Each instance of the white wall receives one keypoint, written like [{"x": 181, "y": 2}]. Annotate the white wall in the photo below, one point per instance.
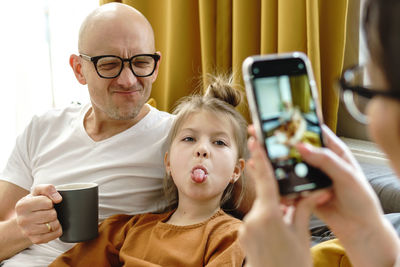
[{"x": 37, "y": 38}]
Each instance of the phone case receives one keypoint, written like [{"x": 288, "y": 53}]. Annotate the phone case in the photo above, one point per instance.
[{"x": 291, "y": 169}]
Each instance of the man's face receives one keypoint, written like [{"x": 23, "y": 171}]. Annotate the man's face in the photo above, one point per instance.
[{"x": 123, "y": 97}]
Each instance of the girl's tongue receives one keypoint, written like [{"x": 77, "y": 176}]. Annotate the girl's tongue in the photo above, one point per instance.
[{"x": 198, "y": 176}]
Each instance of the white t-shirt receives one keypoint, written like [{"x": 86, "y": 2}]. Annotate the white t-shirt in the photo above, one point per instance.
[{"x": 55, "y": 149}]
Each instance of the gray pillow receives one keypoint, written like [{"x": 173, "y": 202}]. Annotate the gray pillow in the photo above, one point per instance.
[{"x": 386, "y": 185}]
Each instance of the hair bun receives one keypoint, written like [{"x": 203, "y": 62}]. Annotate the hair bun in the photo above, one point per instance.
[{"x": 221, "y": 87}]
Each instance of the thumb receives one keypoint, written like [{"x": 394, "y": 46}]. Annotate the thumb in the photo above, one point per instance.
[
  {"x": 260, "y": 170},
  {"x": 329, "y": 162},
  {"x": 304, "y": 209},
  {"x": 47, "y": 190}
]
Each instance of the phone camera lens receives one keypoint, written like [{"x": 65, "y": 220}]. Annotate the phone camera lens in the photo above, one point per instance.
[
  {"x": 300, "y": 66},
  {"x": 256, "y": 71}
]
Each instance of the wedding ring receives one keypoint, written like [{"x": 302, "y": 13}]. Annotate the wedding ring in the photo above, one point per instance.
[{"x": 49, "y": 227}]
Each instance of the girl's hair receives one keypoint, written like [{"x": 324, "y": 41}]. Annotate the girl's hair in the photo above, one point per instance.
[
  {"x": 220, "y": 98},
  {"x": 382, "y": 30}
]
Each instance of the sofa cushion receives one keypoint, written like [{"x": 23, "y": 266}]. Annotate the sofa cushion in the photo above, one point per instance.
[{"x": 386, "y": 185}]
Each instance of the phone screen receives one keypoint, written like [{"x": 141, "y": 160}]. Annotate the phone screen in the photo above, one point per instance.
[{"x": 288, "y": 115}]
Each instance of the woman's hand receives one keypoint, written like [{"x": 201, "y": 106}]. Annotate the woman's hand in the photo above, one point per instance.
[
  {"x": 354, "y": 200},
  {"x": 272, "y": 236},
  {"x": 353, "y": 213}
]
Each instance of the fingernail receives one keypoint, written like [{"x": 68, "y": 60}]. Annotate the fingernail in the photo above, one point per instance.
[{"x": 55, "y": 196}]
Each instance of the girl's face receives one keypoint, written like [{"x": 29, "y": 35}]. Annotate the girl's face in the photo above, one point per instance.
[
  {"x": 384, "y": 114},
  {"x": 203, "y": 157}
]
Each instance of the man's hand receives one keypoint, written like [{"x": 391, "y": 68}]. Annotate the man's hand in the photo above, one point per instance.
[{"x": 36, "y": 215}]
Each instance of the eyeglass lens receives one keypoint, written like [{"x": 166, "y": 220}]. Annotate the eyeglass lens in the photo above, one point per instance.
[
  {"x": 111, "y": 66},
  {"x": 356, "y": 104}
]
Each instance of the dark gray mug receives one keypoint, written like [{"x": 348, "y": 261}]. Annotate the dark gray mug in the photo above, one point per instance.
[{"x": 78, "y": 212}]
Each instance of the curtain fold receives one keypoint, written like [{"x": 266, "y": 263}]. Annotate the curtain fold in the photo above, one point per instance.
[
  {"x": 332, "y": 21},
  {"x": 196, "y": 37}
]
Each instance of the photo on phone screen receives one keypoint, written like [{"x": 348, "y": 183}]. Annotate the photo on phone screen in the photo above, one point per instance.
[{"x": 287, "y": 115}]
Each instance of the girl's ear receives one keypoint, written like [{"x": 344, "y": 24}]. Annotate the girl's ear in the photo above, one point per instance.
[
  {"x": 76, "y": 65},
  {"x": 167, "y": 163},
  {"x": 238, "y": 170}
]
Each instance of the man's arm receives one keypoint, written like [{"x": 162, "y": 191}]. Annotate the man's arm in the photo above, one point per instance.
[{"x": 12, "y": 240}]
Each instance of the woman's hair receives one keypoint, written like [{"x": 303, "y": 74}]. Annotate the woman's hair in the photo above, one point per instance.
[
  {"x": 382, "y": 30},
  {"x": 220, "y": 98}
]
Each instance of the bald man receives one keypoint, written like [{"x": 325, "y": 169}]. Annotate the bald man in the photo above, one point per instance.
[{"x": 116, "y": 140}]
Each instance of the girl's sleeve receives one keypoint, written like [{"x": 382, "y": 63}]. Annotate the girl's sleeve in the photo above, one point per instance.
[{"x": 101, "y": 251}]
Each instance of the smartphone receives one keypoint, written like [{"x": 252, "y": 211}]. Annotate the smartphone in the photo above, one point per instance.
[{"x": 282, "y": 96}]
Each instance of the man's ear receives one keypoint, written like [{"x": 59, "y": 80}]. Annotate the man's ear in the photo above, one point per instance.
[
  {"x": 76, "y": 65},
  {"x": 155, "y": 74}
]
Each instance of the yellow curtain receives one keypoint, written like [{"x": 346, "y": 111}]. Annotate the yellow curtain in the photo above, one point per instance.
[{"x": 213, "y": 36}]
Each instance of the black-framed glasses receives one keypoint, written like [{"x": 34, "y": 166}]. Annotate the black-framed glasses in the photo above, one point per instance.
[
  {"x": 110, "y": 66},
  {"x": 357, "y": 90}
]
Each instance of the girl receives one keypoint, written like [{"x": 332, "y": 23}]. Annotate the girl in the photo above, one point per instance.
[
  {"x": 207, "y": 148},
  {"x": 351, "y": 209}
]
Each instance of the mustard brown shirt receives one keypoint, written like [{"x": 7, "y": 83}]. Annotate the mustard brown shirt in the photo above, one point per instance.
[{"x": 146, "y": 240}]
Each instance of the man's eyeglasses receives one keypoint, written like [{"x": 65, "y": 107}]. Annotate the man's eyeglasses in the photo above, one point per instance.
[
  {"x": 356, "y": 91},
  {"x": 109, "y": 66}
]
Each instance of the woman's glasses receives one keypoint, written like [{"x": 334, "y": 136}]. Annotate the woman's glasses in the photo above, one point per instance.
[{"x": 357, "y": 91}]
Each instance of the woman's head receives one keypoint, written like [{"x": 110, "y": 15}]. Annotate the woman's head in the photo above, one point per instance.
[
  {"x": 382, "y": 30},
  {"x": 207, "y": 141}
]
